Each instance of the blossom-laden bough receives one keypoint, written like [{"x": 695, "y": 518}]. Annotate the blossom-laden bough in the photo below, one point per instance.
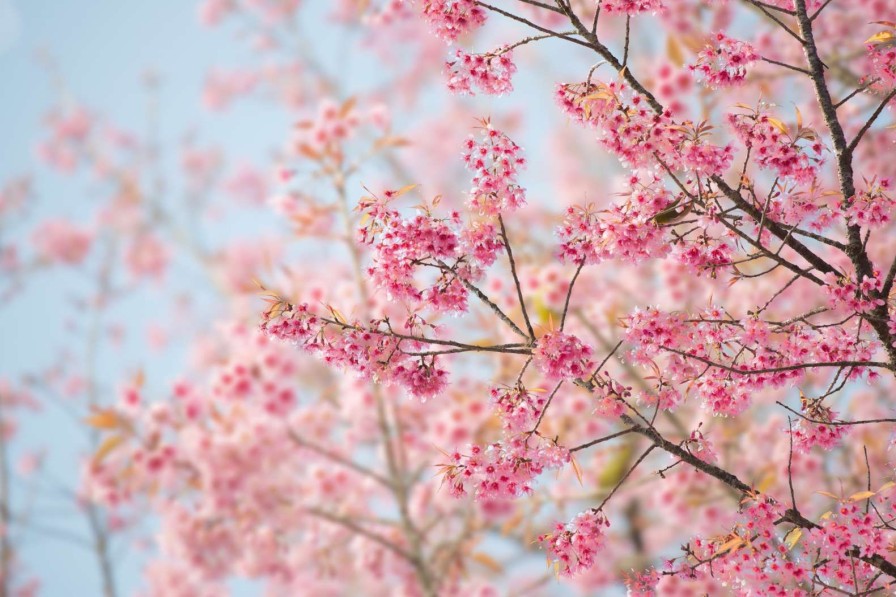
[
  {"x": 701, "y": 358},
  {"x": 775, "y": 198}
]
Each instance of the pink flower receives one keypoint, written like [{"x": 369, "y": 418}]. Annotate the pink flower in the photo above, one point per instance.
[
  {"x": 482, "y": 241},
  {"x": 423, "y": 380},
  {"x": 488, "y": 73},
  {"x": 495, "y": 161},
  {"x": 562, "y": 356},
  {"x": 147, "y": 257},
  {"x": 723, "y": 61},
  {"x": 450, "y": 19},
  {"x": 773, "y": 147},
  {"x": 871, "y": 208},
  {"x": 503, "y": 470},
  {"x": 809, "y": 434},
  {"x": 518, "y": 407},
  {"x": 573, "y": 546},
  {"x": 60, "y": 241},
  {"x": 701, "y": 447},
  {"x": 845, "y": 294},
  {"x": 632, "y": 7},
  {"x": 625, "y": 231}
]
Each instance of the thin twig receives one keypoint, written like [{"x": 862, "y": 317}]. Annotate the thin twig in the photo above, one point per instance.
[{"x": 516, "y": 279}]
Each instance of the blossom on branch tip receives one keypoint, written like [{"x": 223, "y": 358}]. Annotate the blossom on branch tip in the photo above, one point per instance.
[
  {"x": 724, "y": 61},
  {"x": 495, "y": 161},
  {"x": 450, "y": 19},
  {"x": 489, "y": 73},
  {"x": 562, "y": 356},
  {"x": 573, "y": 546}
]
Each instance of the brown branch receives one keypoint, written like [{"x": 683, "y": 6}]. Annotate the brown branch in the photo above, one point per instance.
[
  {"x": 855, "y": 246},
  {"x": 835, "y": 423},
  {"x": 880, "y": 108},
  {"x": 569, "y": 294},
  {"x": 876, "y": 364},
  {"x": 516, "y": 279},
  {"x": 484, "y": 298},
  {"x": 601, "y": 440}
]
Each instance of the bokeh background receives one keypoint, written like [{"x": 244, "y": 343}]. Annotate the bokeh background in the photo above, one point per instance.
[{"x": 145, "y": 66}]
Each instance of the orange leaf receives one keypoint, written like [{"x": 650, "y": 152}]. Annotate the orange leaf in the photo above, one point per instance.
[
  {"x": 576, "y": 469},
  {"x": 307, "y": 151},
  {"x": 487, "y": 561},
  {"x": 793, "y": 537},
  {"x": 106, "y": 448},
  {"x": 104, "y": 419},
  {"x": 778, "y": 124},
  {"x": 347, "y": 106},
  {"x": 673, "y": 50},
  {"x": 881, "y": 37},
  {"x": 405, "y": 189},
  {"x": 730, "y": 545}
]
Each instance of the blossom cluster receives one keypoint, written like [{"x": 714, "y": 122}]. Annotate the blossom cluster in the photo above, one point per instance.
[
  {"x": 406, "y": 250},
  {"x": 630, "y": 128},
  {"x": 845, "y": 293},
  {"x": 450, "y": 19},
  {"x": 562, "y": 356},
  {"x": 400, "y": 245},
  {"x": 518, "y": 407},
  {"x": 60, "y": 241},
  {"x": 757, "y": 556},
  {"x": 495, "y": 161},
  {"x": 773, "y": 147},
  {"x": 818, "y": 431},
  {"x": 871, "y": 208},
  {"x": 850, "y": 528},
  {"x": 632, "y": 7},
  {"x": 331, "y": 126},
  {"x": 724, "y": 61},
  {"x": 373, "y": 352},
  {"x": 882, "y": 59},
  {"x": 502, "y": 470},
  {"x": 704, "y": 254},
  {"x": 488, "y": 73},
  {"x": 707, "y": 351},
  {"x": 573, "y": 546},
  {"x": 627, "y": 231}
]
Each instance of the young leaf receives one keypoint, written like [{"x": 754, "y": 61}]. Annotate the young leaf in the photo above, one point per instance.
[
  {"x": 883, "y": 36},
  {"x": 106, "y": 448},
  {"x": 673, "y": 50},
  {"x": 103, "y": 419},
  {"x": 793, "y": 537},
  {"x": 489, "y": 562}
]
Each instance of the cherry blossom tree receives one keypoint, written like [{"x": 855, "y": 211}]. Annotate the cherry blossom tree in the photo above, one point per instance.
[
  {"x": 791, "y": 217},
  {"x": 651, "y": 341}
]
